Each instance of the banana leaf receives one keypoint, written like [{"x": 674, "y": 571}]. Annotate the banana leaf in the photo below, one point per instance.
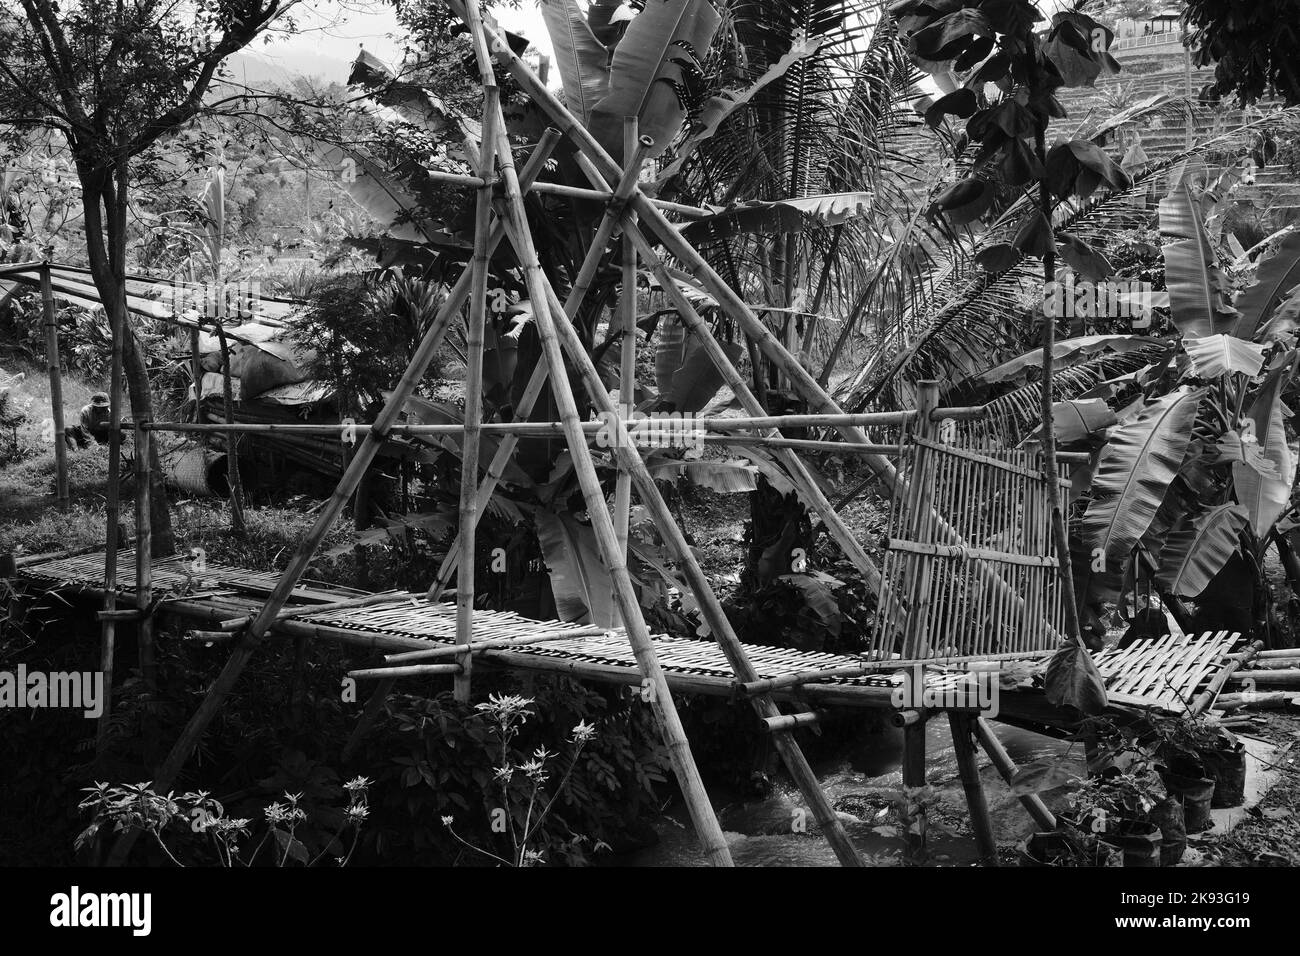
[
  {"x": 1194, "y": 553},
  {"x": 724, "y": 477},
  {"x": 583, "y": 60},
  {"x": 782, "y": 216},
  {"x": 1133, "y": 475},
  {"x": 583, "y": 588},
  {"x": 1216, "y": 355},
  {"x": 667, "y": 39},
  {"x": 1274, "y": 279},
  {"x": 1265, "y": 497},
  {"x": 1198, "y": 290}
]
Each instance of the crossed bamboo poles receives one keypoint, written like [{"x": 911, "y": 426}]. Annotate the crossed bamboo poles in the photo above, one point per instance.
[{"x": 558, "y": 337}]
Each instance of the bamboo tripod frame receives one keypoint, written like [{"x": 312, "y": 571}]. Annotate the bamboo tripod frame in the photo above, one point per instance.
[{"x": 500, "y": 214}]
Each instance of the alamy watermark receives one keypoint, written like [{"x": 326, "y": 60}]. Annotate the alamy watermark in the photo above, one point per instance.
[
  {"x": 977, "y": 689},
  {"x": 649, "y": 430},
  {"x": 236, "y": 300},
  {"x": 74, "y": 690}
]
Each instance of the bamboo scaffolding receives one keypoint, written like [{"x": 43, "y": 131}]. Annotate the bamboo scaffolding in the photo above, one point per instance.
[
  {"x": 474, "y": 390},
  {"x": 54, "y": 367},
  {"x": 511, "y": 211},
  {"x": 802, "y": 382}
]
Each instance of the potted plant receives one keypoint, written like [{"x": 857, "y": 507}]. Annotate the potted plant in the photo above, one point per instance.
[
  {"x": 1122, "y": 808},
  {"x": 1181, "y": 744}
]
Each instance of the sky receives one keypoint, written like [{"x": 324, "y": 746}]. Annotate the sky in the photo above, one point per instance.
[{"x": 330, "y": 32}]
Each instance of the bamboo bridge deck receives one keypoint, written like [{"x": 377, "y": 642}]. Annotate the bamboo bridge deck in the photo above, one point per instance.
[{"x": 1161, "y": 674}]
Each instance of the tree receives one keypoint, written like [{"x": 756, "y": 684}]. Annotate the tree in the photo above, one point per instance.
[
  {"x": 1254, "y": 45},
  {"x": 114, "y": 78}
]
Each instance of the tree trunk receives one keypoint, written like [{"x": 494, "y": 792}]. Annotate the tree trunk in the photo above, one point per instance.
[{"x": 106, "y": 235}]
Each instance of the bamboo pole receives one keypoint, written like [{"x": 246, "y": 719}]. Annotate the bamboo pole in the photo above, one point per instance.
[
  {"x": 414, "y": 670},
  {"x": 566, "y": 191},
  {"x": 512, "y": 212},
  {"x": 913, "y": 815},
  {"x": 963, "y": 743},
  {"x": 474, "y": 393},
  {"x": 1206, "y": 697},
  {"x": 721, "y": 425},
  {"x": 492, "y": 644},
  {"x": 54, "y": 366},
  {"x": 627, "y": 347},
  {"x": 998, "y": 755}
]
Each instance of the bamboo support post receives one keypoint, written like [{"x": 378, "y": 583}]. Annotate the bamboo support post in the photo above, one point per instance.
[
  {"x": 474, "y": 391},
  {"x": 512, "y": 212},
  {"x": 912, "y": 810},
  {"x": 1000, "y": 759},
  {"x": 54, "y": 366},
  {"x": 963, "y": 742},
  {"x": 412, "y": 670}
]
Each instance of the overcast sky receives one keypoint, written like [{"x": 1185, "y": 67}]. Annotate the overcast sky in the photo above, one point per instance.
[{"x": 330, "y": 32}]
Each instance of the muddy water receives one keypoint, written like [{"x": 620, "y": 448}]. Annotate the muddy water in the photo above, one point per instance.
[{"x": 863, "y": 786}]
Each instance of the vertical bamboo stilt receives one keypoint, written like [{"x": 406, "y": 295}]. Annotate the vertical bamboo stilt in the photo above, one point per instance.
[
  {"x": 196, "y": 372},
  {"x": 56, "y": 387},
  {"x": 474, "y": 395},
  {"x": 913, "y": 812},
  {"x": 963, "y": 742}
]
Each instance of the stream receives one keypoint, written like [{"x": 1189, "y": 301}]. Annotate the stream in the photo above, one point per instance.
[{"x": 863, "y": 784}]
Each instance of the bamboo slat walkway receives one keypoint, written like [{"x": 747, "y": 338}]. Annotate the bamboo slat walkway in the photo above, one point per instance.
[{"x": 1166, "y": 674}]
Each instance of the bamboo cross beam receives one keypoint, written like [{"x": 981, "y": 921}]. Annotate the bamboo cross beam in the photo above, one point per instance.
[
  {"x": 792, "y": 721},
  {"x": 492, "y": 644},
  {"x": 570, "y": 192},
  {"x": 721, "y": 425},
  {"x": 699, "y": 584},
  {"x": 414, "y": 670},
  {"x": 512, "y": 213}
]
